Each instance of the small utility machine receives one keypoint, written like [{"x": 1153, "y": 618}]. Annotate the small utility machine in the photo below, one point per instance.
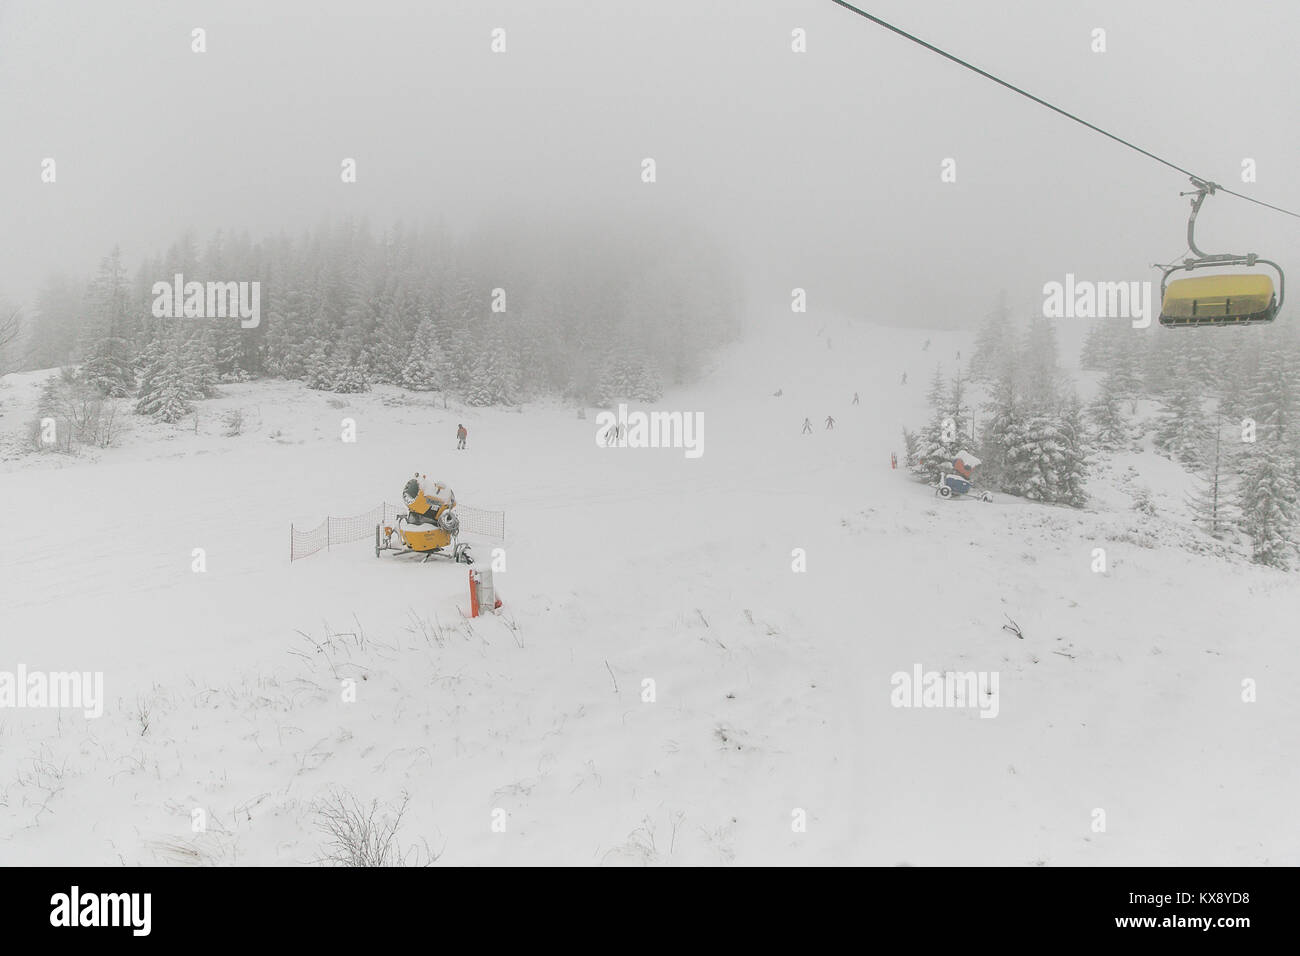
[{"x": 961, "y": 481}]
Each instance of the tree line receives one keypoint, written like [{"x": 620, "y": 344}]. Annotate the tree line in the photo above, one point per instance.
[
  {"x": 592, "y": 313},
  {"x": 1228, "y": 410}
]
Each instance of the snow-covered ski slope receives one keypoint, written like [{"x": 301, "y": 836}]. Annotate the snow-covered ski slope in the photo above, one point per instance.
[{"x": 771, "y": 689}]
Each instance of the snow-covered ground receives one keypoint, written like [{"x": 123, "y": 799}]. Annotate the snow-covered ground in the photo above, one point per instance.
[{"x": 772, "y": 689}]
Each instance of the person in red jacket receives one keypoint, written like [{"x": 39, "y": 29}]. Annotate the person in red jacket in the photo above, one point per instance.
[{"x": 461, "y": 435}]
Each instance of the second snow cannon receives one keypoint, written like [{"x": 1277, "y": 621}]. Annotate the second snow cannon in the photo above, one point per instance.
[
  {"x": 957, "y": 478},
  {"x": 430, "y": 525}
]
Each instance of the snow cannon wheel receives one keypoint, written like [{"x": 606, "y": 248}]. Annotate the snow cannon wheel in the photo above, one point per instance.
[
  {"x": 945, "y": 491},
  {"x": 986, "y": 497}
]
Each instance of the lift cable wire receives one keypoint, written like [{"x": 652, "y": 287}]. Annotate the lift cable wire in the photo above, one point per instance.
[{"x": 1056, "y": 109}]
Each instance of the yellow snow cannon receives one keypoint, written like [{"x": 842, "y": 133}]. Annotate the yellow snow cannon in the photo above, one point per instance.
[{"x": 429, "y": 527}]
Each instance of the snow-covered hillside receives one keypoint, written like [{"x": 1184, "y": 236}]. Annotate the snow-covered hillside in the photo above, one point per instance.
[{"x": 772, "y": 688}]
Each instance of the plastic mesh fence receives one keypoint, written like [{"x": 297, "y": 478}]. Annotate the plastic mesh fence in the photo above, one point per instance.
[
  {"x": 334, "y": 530},
  {"x": 492, "y": 524},
  {"x": 303, "y": 543}
]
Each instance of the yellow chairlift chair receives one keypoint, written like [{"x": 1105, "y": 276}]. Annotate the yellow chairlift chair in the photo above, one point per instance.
[{"x": 1230, "y": 299}]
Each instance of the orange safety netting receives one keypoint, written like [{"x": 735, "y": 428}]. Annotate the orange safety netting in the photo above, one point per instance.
[{"x": 334, "y": 531}]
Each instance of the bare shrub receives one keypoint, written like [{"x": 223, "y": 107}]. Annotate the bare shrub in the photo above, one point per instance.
[
  {"x": 233, "y": 422},
  {"x": 81, "y": 415},
  {"x": 107, "y": 427},
  {"x": 361, "y": 835}
]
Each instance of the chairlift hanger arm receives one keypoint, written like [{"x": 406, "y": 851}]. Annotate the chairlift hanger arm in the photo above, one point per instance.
[
  {"x": 1201, "y": 260},
  {"x": 1198, "y": 197},
  {"x": 1199, "y": 257}
]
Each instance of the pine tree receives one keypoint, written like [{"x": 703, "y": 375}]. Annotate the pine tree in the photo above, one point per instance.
[
  {"x": 227, "y": 351},
  {"x": 1039, "y": 454},
  {"x": 1003, "y": 421},
  {"x": 420, "y": 373},
  {"x": 350, "y": 377},
  {"x": 56, "y": 323},
  {"x": 109, "y": 357},
  {"x": 993, "y": 344},
  {"x": 318, "y": 371},
  {"x": 392, "y": 352},
  {"x": 200, "y": 361},
  {"x": 1095, "y": 353},
  {"x": 1271, "y": 399},
  {"x": 936, "y": 393},
  {"x": 56, "y": 402},
  {"x": 1268, "y": 500},
  {"x": 958, "y": 410},
  {"x": 1158, "y": 366},
  {"x": 1039, "y": 374},
  {"x": 426, "y": 368},
  {"x": 1072, "y": 472},
  {"x": 170, "y": 382},
  {"x": 494, "y": 376},
  {"x": 1106, "y": 415},
  {"x": 1181, "y": 432},
  {"x": 1209, "y": 504},
  {"x": 944, "y": 435},
  {"x": 643, "y": 380},
  {"x": 1046, "y": 462},
  {"x": 1125, "y": 377},
  {"x": 911, "y": 449},
  {"x": 1238, "y": 369},
  {"x": 335, "y": 370}
]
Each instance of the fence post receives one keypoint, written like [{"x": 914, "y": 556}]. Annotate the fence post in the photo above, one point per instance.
[{"x": 291, "y": 542}]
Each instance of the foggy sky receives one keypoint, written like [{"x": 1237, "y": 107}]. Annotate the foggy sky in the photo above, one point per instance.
[{"x": 818, "y": 170}]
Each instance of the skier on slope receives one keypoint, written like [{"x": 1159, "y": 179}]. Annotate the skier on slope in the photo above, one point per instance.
[
  {"x": 461, "y": 435},
  {"x": 855, "y": 398},
  {"x": 830, "y": 423},
  {"x": 807, "y": 427}
]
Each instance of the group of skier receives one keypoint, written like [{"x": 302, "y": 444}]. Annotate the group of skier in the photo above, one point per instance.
[
  {"x": 807, "y": 424},
  {"x": 954, "y": 477}
]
